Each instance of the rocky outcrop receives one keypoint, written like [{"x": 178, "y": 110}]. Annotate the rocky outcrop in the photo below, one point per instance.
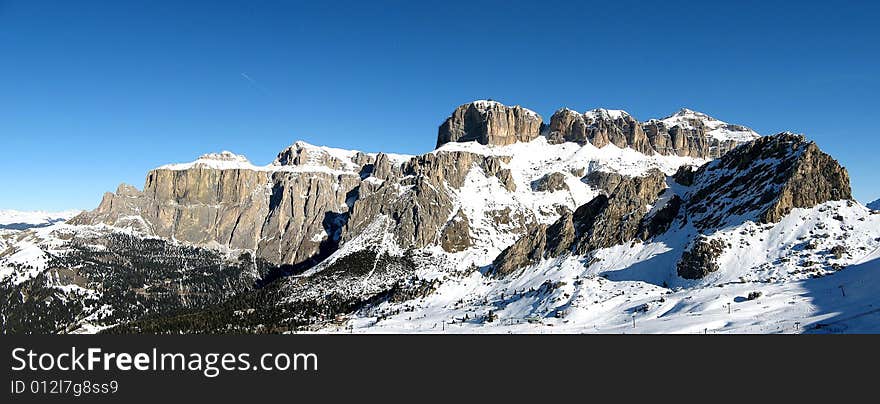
[
  {"x": 526, "y": 251},
  {"x": 598, "y": 127},
  {"x": 551, "y": 182},
  {"x": 685, "y": 133},
  {"x": 701, "y": 259},
  {"x": 814, "y": 178},
  {"x": 605, "y": 221},
  {"x": 605, "y": 181},
  {"x": 490, "y": 123},
  {"x": 304, "y": 154},
  {"x": 456, "y": 236},
  {"x": 417, "y": 209},
  {"x": 695, "y": 134},
  {"x": 420, "y": 203},
  {"x": 619, "y": 218},
  {"x": 764, "y": 180},
  {"x": 659, "y": 221},
  {"x": 685, "y": 175}
]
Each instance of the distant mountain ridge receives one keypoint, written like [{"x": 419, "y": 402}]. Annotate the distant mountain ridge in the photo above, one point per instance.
[{"x": 22, "y": 220}]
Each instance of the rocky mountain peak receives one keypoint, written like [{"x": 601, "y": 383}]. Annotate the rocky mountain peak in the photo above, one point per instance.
[
  {"x": 602, "y": 113},
  {"x": 874, "y": 205},
  {"x": 490, "y": 123},
  {"x": 764, "y": 180},
  {"x": 224, "y": 156},
  {"x": 305, "y": 154},
  {"x": 221, "y": 161},
  {"x": 686, "y": 112},
  {"x": 127, "y": 190},
  {"x": 691, "y": 120}
]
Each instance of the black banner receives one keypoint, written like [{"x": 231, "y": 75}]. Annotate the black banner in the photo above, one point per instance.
[{"x": 332, "y": 367}]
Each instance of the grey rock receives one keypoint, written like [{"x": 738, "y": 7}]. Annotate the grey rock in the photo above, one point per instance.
[
  {"x": 286, "y": 217},
  {"x": 685, "y": 133},
  {"x": 420, "y": 204},
  {"x": 456, "y": 236},
  {"x": 765, "y": 178},
  {"x": 598, "y": 127},
  {"x": 605, "y": 221},
  {"x": 550, "y": 182},
  {"x": 605, "y": 181},
  {"x": 762, "y": 180},
  {"x": 701, "y": 259},
  {"x": 490, "y": 123},
  {"x": 685, "y": 175}
]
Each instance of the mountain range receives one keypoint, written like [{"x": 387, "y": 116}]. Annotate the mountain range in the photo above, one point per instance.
[{"x": 593, "y": 222}]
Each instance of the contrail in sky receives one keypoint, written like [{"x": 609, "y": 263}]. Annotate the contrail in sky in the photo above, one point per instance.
[
  {"x": 254, "y": 83},
  {"x": 248, "y": 78}
]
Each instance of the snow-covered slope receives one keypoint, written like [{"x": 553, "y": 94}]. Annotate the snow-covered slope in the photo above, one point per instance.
[
  {"x": 772, "y": 255},
  {"x": 23, "y": 253},
  {"x": 780, "y": 278}
]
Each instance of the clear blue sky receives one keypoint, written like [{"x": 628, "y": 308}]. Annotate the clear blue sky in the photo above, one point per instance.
[{"x": 97, "y": 93}]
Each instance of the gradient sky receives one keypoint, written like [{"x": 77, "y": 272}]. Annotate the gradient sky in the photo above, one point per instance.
[{"x": 97, "y": 93}]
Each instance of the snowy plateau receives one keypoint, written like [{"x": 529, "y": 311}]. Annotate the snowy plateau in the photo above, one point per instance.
[{"x": 591, "y": 223}]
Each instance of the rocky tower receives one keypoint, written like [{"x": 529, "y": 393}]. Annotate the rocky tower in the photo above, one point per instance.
[
  {"x": 598, "y": 127},
  {"x": 490, "y": 123}
]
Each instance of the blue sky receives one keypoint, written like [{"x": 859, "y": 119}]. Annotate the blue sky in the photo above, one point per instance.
[{"x": 97, "y": 93}]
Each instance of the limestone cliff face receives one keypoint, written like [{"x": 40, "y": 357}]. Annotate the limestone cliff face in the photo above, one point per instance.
[
  {"x": 686, "y": 133},
  {"x": 290, "y": 212},
  {"x": 300, "y": 208},
  {"x": 490, "y": 123},
  {"x": 599, "y": 127}
]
